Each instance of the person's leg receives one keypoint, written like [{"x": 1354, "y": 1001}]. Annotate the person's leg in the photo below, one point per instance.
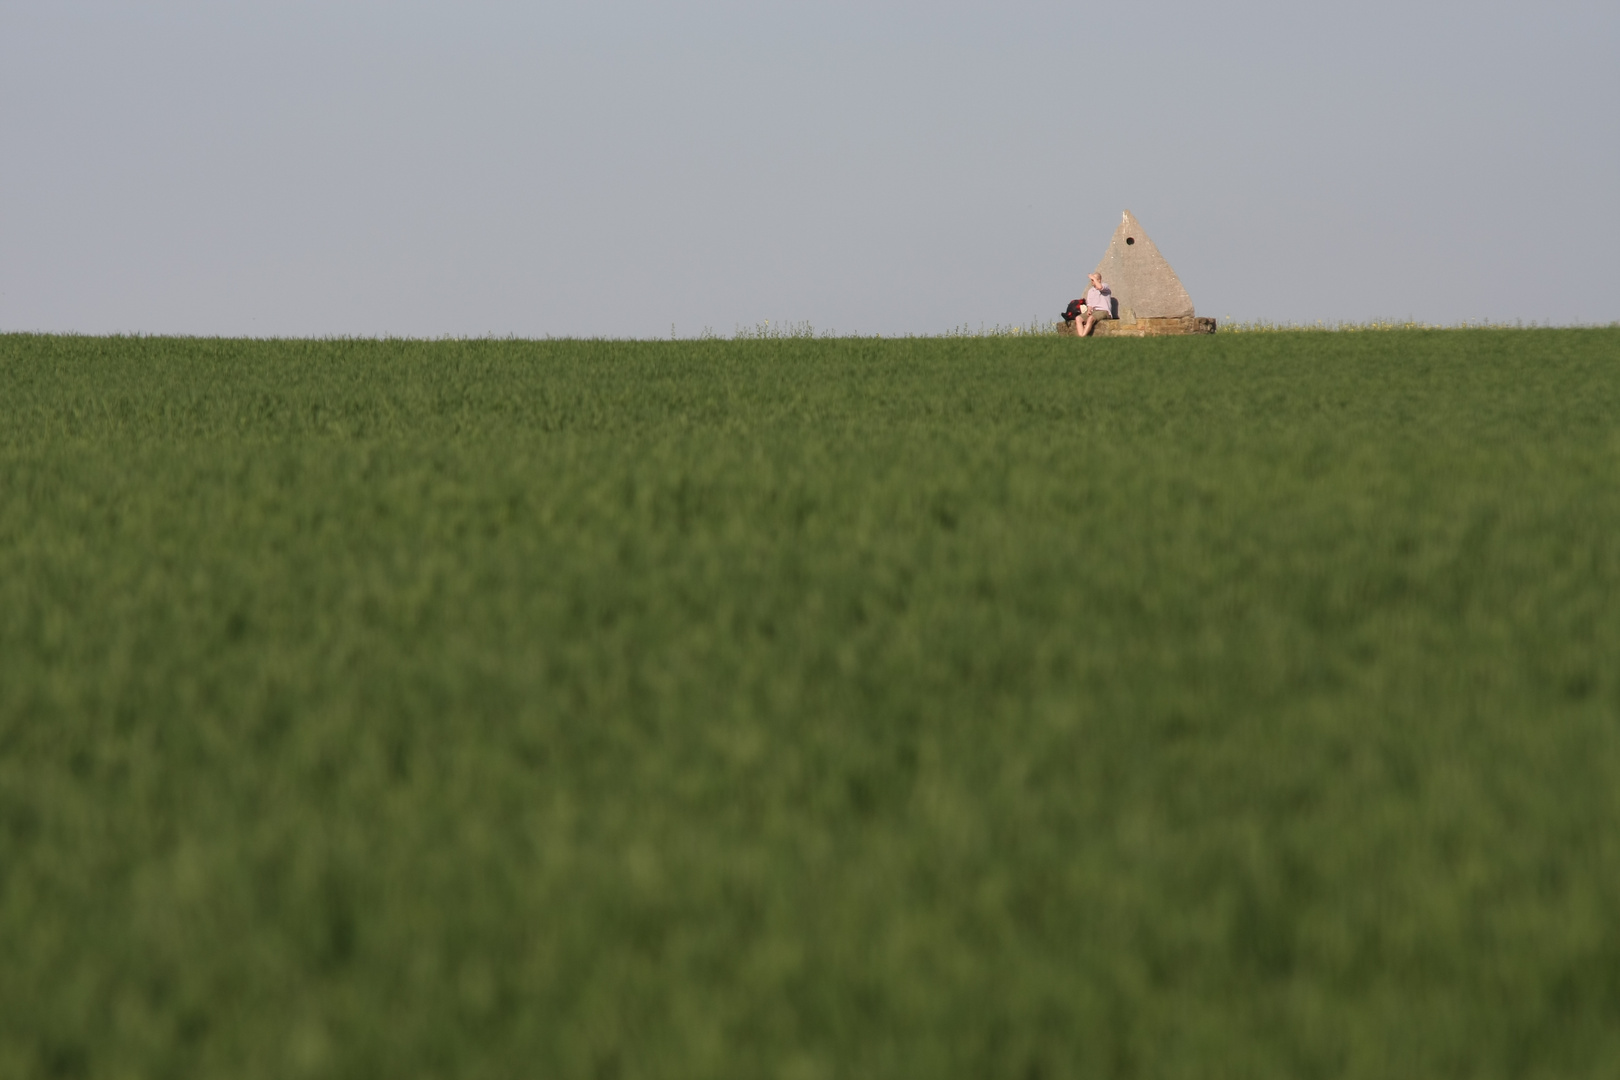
[{"x": 1085, "y": 327}]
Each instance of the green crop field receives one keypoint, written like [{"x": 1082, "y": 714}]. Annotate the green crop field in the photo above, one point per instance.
[{"x": 1237, "y": 706}]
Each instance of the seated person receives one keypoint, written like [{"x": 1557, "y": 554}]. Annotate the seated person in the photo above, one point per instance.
[{"x": 1098, "y": 305}]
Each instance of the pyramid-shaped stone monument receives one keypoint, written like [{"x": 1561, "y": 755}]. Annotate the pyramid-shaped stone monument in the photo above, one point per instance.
[
  {"x": 1141, "y": 278},
  {"x": 1151, "y": 299}
]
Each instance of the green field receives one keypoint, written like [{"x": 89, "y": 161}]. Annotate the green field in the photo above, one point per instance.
[{"x": 1237, "y": 706}]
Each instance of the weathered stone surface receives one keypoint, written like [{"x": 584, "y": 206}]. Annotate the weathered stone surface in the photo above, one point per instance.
[
  {"x": 1140, "y": 277},
  {"x": 1190, "y": 324}
]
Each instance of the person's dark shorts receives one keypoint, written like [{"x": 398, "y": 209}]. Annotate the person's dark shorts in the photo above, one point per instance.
[{"x": 1101, "y": 313}]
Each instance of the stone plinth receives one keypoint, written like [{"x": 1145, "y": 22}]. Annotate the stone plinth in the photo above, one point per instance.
[{"x": 1187, "y": 324}]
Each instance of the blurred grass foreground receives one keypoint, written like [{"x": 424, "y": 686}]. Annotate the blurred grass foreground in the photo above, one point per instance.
[{"x": 1242, "y": 706}]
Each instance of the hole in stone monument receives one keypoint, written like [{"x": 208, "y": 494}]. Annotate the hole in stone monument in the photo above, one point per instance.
[{"x": 1130, "y": 239}]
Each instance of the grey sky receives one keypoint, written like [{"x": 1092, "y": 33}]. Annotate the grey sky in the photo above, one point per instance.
[{"x": 613, "y": 167}]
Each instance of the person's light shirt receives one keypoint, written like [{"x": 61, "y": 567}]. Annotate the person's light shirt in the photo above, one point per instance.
[{"x": 1099, "y": 298}]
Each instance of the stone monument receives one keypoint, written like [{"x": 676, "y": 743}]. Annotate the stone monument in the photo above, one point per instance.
[{"x": 1150, "y": 298}]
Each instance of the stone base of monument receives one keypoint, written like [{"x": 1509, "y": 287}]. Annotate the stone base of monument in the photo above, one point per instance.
[{"x": 1191, "y": 324}]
